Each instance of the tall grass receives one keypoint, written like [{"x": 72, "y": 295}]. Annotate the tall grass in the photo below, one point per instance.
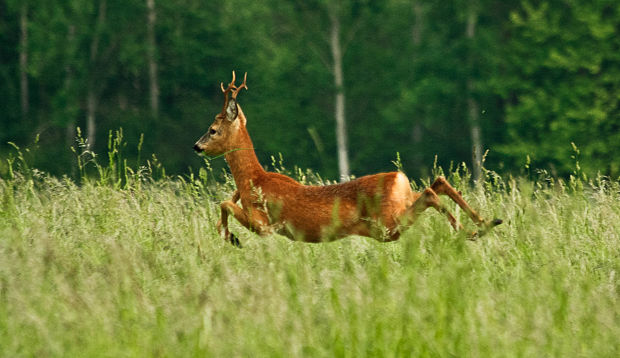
[{"x": 125, "y": 265}]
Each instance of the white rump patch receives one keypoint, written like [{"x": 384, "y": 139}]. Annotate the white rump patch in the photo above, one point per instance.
[{"x": 401, "y": 190}]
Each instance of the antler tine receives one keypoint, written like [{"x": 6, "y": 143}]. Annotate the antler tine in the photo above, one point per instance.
[
  {"x": 231, "y": 85},
  {"x": 243, "y": 85}
]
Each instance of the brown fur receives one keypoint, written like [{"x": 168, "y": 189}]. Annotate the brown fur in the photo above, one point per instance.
[{"x": 378, "y": 206}]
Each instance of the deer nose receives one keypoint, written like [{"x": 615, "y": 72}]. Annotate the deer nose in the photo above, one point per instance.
[{"x": 197, "y": 148}]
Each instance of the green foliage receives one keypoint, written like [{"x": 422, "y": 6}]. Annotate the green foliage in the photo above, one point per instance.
[
  {"x": 544, "y": 74},
  {"x": 565, "y": 63}
]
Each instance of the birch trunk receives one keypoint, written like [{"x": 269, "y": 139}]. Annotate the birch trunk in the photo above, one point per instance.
[
  {"x": 23, "y": 61},
  {"x": 416, "y": 38},
  {"x": 91, "y": 119},
  {"x": 151, "y": 53},
  {"x": 91, "y": 96},
  {"x": 341, "y": 128},
  {"x": 472, "y": 104},
  {"x": 70, "y": 129}
]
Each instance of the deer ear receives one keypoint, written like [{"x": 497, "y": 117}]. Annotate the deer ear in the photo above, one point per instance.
[{"x": 231, "y": 110}]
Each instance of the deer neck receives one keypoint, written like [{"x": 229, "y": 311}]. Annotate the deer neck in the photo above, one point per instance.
[{"x": 243, "y": 162}]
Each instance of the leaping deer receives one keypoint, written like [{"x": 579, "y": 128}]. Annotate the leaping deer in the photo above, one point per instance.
[{"x": 380, "y": 206}]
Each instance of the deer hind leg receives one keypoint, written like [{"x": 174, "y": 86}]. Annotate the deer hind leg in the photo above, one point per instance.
[
  {"x": 442, "y": 187},
  {"x": 427, "y": 199}
]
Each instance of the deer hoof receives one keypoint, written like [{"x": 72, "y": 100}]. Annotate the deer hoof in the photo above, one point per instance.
[
  {"x": 235, "y": 241},
  {"x": 489, "y": 225}
]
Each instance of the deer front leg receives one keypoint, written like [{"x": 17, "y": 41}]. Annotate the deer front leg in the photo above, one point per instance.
[
  {"x": 252, "y": 222},
  {"x": 225, "y": 208},
  {"x": 224, "y": 214}
]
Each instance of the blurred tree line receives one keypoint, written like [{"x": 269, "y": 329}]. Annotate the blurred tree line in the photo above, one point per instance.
[{"x": 339, "y": 86}]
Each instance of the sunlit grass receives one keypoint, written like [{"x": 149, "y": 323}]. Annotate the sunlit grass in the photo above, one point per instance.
[{"x": 135, "y": 268}]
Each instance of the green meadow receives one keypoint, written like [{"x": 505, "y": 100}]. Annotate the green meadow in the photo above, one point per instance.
[{"x": 128, "y": 263}]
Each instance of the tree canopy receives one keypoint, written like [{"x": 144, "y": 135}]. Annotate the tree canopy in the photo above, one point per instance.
[{"x": 539, "y": 80}]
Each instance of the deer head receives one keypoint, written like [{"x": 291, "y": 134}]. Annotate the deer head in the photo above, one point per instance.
[{"x": 223, "y": 133}]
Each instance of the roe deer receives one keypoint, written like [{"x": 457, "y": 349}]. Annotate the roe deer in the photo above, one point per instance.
[{"x": 380, "y": 206}]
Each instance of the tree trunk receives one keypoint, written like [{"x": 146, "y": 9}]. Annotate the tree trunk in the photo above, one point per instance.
[
  {"x": 341, "y": 128},
  {"x": 416, "y": 38},
  {"x": 472, "y": 103},
  {"x": 91, "y": 96},
  {"x": 151, "y": 53},
  {"x": 70, "y": 129},
  {"x": 23, "y": 61},
  {"x": 91, "y": 119}
]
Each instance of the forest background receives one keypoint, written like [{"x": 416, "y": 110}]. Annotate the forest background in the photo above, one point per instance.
[{"x": 340, "y": 87}]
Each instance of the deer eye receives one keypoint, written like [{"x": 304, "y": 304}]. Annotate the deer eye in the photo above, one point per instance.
[{"x": 212, "y": 131}]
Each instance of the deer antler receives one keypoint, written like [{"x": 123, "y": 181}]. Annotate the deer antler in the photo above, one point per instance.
[
  {"x": 243, "y": 85},
  {"x": 231, "y": 85},
  {"x": 232, "y": 88}
]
